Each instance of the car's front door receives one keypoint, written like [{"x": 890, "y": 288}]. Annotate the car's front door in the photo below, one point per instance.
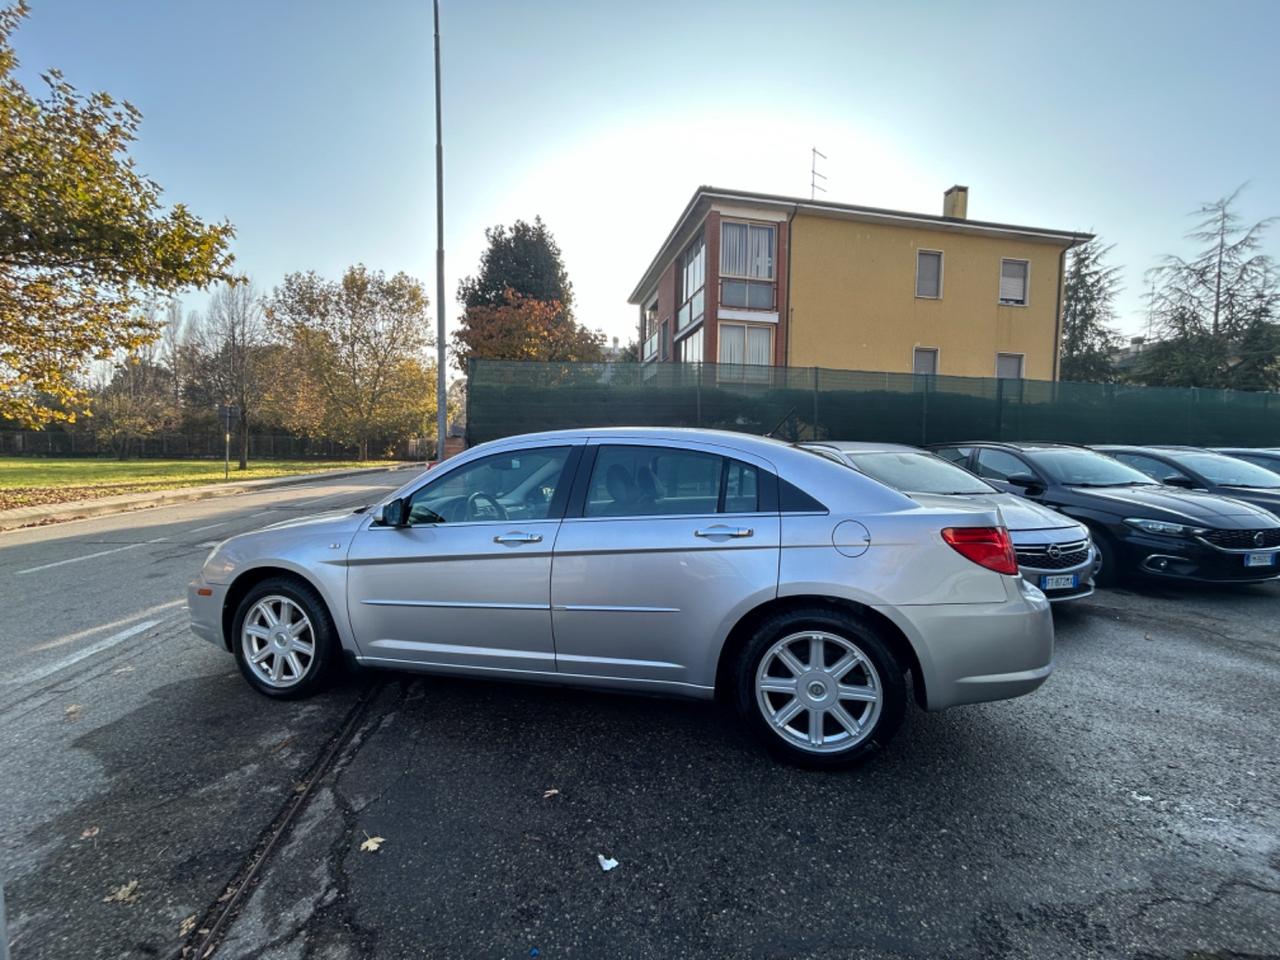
[
  {"x": 661, "y": 548},
  {"x": 467, "y": 582}
]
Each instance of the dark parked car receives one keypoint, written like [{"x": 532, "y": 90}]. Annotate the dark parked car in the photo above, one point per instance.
[
  {"x": 1258, "y": 456},
  {"x": 1138, "y": 525},
  {"x": 1194, "y": 469}
]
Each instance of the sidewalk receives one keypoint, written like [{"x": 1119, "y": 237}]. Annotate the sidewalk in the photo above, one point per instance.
[{"x": 77, "y": 509}]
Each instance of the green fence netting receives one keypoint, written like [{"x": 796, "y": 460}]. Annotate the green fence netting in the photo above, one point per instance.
[{"x": 801, "y": 403}]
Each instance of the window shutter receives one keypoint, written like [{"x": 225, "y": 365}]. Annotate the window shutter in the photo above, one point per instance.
[
  {"x": 928, "y": 274},
  {"x": 1013, "y": 281}
]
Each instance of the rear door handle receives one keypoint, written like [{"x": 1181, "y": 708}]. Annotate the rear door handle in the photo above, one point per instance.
[
  {"x": 720, "y": 530},
  {"x": 514, "y": 537}
]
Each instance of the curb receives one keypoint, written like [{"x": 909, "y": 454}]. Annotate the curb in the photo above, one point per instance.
[{"x": 20, "y": 517}]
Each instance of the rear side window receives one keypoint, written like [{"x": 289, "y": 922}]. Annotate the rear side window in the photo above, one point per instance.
[
  {"x": 999, "y": 465},
  {"x": 638, "y": 481}
]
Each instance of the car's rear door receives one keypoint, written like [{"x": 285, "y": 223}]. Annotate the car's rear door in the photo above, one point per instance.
[
  {"x": 467, "y": 583},
  {"x": 662, "y": 545}
]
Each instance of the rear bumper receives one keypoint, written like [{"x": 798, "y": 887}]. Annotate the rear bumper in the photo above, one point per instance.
[
  {"x": 206, "y": 610},
  {"x": 972, "y": 653}
]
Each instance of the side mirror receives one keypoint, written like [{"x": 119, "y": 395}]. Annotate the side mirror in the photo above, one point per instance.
[
  {"x": 1186, "y": 483},
  {"x": 395, "y": 513},
  {"x": 1031, "y": 487}
]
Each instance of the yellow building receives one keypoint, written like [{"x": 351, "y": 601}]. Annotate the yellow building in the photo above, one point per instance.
[{"x": 747, "y": 278}]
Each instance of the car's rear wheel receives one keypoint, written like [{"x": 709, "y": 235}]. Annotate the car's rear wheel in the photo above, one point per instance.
[
  {"x": 284, "y": 639},
  {"x": 820, "y": 688}
]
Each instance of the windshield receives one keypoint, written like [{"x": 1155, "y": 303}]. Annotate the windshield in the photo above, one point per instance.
[
  {"x": 918, "y": 473},
  {"x": 1087, "y": 469},
  {"x": 1228, "y": 471}
]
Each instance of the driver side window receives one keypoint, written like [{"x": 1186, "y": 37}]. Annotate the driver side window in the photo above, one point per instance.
[
  {"x": 517, "y": 485},
  {"x": 999, "y": 465}
]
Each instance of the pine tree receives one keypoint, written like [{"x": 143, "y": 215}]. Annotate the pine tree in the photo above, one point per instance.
[{"x": 1088, "y": 312}]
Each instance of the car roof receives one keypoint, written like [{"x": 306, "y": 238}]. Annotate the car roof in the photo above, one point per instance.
[
  {"x": 862, "y": 446},
  {"x": 1268, "y": 451},
  {"x": 1027, "y": 445}
]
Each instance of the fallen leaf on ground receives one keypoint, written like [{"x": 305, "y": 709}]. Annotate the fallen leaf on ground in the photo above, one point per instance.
[
  {"x": 187, "y": 925},
  {"x": 371, "y": 844},
  {"x": 606, "y": 863},
  {"x": 227, "y": 895},
  {"x": 90, "y": 832},
  {"x": 548, "y": 794},
  {"x": 73, "y": 712},
  {"x": 1140, "y": 797},
  {"x": 125, "y": 893}
]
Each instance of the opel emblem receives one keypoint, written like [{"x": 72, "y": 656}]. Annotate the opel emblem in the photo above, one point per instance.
[
  {"x": 1055, "y": 551},
  {"x": 1259, "y": 539}
]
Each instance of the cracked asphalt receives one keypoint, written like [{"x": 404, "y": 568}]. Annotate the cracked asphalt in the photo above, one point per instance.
[{"x": 1128, "y": 809}]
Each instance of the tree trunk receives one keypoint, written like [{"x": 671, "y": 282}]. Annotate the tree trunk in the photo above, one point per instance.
[{"x": 244, "y": 442}]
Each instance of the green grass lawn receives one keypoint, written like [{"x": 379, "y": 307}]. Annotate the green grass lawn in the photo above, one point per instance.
[{"x": 26, "y": 481}]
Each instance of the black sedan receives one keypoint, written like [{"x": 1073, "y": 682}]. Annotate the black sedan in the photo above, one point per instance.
[
  {"x": 1194, "y": 469},
  {"x": 1138, "y": 525},
  {"x": 1258, "y": 456}
]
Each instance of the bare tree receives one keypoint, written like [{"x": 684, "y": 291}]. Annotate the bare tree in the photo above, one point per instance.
[{"x": 234, "y": 337}]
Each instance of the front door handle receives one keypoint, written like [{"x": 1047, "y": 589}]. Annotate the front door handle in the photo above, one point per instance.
[
  {"x": 720, "y": 530},
  {"x": 514, "y": 537}
]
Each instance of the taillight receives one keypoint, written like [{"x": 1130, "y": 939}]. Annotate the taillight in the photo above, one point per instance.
[{"x": 988, "y": 547}]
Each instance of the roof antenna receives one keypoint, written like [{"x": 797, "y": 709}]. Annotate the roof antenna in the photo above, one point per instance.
[{"x": 814, "y": 175}]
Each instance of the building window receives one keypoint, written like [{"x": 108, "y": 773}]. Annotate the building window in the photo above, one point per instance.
[
  {"x": 925, "y": 361},
  {"x": 1013, "y": 282},
  {"x": 746, "y": 265},
  {"x": 691, "y": 348},
  {"x": 1009, "y": 366},
  {"x": 693, "y": 277},
  {"x": 929, "y": 274},
  {"x": 744, "y": 344},
  {"x": 649, "y": 331},
  {"x": 664, "y": 340}
]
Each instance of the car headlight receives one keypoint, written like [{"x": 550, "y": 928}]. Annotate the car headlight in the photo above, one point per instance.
[
  {"x": 216, "y": 566},
  {"x": 1163, "y": 529}
]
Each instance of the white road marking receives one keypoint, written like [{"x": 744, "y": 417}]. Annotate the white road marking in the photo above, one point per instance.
[
  {"x": 89, "y": 631},
  {"x": 209, "y": 526},
  {"x": 106, "y": 644},
  {"x": 208, "y": 543},
  {"x": 261, "y": 513},
  {"x": 90, "y": 556}
]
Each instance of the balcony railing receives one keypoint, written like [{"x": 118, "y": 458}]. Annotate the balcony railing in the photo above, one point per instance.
[{"x": 651, "y": 347}]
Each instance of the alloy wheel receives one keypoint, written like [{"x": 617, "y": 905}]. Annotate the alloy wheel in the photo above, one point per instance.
[
  {"x": 818, "y": 691},
  {"x": 279, "y": 641}
]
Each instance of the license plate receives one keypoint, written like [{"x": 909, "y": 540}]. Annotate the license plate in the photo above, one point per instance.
[
  {"x": 1259, "y": 559},
  {"x": 1060, "y": 581}
]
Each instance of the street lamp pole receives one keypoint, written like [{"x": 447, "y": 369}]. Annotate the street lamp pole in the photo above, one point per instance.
[{"x": 442, "y": 413}]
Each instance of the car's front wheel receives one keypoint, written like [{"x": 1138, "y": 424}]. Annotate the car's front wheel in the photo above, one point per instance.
[
  {"x": 284, "y": 639},
  {"x": 820, "y": 688}
]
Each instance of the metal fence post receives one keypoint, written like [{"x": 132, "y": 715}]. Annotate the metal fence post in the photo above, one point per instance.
[
  {"x": 999, "y": 408},
  {"x": 697, "y": 392},
  {"x": 815, "y": 403}
]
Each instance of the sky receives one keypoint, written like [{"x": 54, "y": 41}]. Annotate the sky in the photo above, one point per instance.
[{"x": 308, "y": 123}]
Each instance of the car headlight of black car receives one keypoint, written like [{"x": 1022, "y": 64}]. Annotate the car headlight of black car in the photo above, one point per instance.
[{"x": 1163, "y": 529}]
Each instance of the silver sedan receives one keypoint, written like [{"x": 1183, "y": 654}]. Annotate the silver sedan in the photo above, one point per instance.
[{"x": 684, "y": 562}]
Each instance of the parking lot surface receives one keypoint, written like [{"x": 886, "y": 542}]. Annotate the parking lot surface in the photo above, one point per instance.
[{"x": 1129, "y": 808}]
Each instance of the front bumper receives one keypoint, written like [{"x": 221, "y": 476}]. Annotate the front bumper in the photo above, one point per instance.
[
  {"x": 206, "y": 610},
  {"x": 975, "y": 652},
  {"x": 1175, "y": 558},
  {"x": 1083, "y": 572}
]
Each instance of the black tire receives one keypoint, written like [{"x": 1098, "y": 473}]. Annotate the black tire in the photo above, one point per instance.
[
  {"x": 861, "y": 635},
  {"x": 1111, "y": 574},
  {"x": 321, "y": 666}
]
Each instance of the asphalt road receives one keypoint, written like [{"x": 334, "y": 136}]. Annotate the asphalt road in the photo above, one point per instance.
[
  {"x": 1129, "y": 809},
  {"x": 130, "y": 750}
]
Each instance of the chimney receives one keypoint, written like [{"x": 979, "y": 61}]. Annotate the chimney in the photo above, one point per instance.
[{"x": 955, "y": 202}]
